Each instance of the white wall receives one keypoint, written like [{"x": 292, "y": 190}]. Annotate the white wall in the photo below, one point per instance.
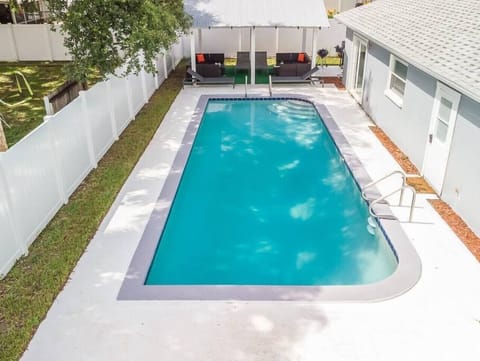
[
  {"x": 34, "y": 42},
  {"x": 7, "y": 48},
  {"x": 408, "y": 127},
  {"x": 462, "y": 177},
  {"x": 39, "y": 173}
]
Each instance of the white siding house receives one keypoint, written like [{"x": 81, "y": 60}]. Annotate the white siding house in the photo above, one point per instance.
[{"x": 414, "y": 66}]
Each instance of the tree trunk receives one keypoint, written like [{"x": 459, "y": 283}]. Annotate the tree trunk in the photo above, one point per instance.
[{"x": 3, "y": 140}]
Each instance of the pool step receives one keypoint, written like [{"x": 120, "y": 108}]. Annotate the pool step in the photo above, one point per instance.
[
  {"x": 286, "y": 109},
  {"x": 298, "y": 104},
  {"x": 370, "y": 230},
  {"x": 371, "y": 226},
  {"x": 295, "y": 109}
]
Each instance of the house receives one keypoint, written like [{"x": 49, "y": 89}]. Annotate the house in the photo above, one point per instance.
[
  {"x": 413, "y": 65},
  {"x": 23, "y": 12}
]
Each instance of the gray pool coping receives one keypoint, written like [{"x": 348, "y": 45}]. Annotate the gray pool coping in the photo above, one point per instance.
[{"x": 404, "y": 277}]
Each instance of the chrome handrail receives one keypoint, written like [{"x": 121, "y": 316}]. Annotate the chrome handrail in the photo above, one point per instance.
[
  {"x": 402, "y": 188},
  {"x": 404, "y": 183},
  {"x": 246, "y": 82},
  {"x": 270, "y": 85}
]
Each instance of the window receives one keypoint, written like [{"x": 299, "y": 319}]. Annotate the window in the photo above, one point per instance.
[
  {"x": 443, "y": 118},
  {"x": 397, "y": 80}
]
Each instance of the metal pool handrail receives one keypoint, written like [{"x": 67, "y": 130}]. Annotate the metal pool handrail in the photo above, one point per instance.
[
  {"x": 371, "y": 184},
  {"x": 246, "y": 82},
  {"x": 401, "y": 189},
  {"x": 412, "y": 203}
]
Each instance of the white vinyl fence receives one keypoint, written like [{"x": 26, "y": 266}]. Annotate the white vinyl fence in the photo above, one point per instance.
[
  {"x": 38, "y": 174},
  {"x": 38, "y": 43},
  {"x": 32, "y": 42},
  {"x": 229, "y": 41}
]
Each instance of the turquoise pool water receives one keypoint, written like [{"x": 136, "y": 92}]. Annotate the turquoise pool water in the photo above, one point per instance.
[{"x": 265, "y": 199}]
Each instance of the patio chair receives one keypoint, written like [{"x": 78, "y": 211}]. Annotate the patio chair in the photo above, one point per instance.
[
  {"x": 220, "y": 80},
  {"x": 305, "y": 78},
  {"x": 261, "y": 60},
  {"x": 243, "y": 61}
]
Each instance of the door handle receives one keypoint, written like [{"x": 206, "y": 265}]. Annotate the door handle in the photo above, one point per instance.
[{"x": 430, "y": 138}]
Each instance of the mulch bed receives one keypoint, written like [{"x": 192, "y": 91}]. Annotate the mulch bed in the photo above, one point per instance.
[
  {"x": 417, "y": 182},
  {"x": 458, "y": 226},
  {"x": 399, "y": 156},
  {"x": 420, "y": 185},
  {"x": 334, "y": 80}
]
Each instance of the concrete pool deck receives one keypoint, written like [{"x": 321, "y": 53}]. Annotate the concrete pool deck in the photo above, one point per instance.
[{"x": 438, "y": 319}]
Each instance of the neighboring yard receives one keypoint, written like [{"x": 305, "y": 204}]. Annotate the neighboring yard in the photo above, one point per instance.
[{"x": 43, "y": 79}]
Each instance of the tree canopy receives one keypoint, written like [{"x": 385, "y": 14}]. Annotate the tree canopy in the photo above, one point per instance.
[{"x": 103, "y": 35}]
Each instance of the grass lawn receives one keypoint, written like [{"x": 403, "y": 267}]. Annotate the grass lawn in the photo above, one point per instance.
[
  {"x": 30, "y": 288},
  {"x": 44, "y": 78},
  {"x": 329, "y": 60},
  {"x": 261, "y": 77}
]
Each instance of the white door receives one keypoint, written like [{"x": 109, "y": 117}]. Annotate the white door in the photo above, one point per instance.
[
  {"x": 358, "y": 68},
  {"x": 442, "y": 125}
]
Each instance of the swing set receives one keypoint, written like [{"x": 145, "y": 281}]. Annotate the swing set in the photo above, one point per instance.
[{"x": 23, "y": 90}]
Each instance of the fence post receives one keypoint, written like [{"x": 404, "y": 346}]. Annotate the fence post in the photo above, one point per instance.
[
  {"x": 56, "y": 161},
  {"x": 129, "y": 97},
  {"x": 111, "y": 109},
  {"x": 314, "y": 47},
  {"x": 155, "y": 79},
  {"x": 13, "y": 42},
  {"x": 48, "y": 106},
  {"x": 155, "y": 76},
  {"x": 12, "y": 219},
  {"x": 172, "y": 52},
  {"x": 182, "y": 44},
  {"x": 46, "y": 30},
  {"x": 87, "y": 129},
  {"x": 143, "y": 74},
  {"x": 165, "y": 69}
]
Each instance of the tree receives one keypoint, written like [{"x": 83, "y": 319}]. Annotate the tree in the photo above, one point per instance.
[{"x": 103, "y": 35}]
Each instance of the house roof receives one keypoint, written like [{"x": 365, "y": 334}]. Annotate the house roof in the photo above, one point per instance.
[
  {"x": 440, "y": 37},
  {"x": 260, "y": 13}
]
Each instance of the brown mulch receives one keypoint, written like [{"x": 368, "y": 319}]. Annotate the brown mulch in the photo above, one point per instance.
[
  {"x": 399, "y": 156},
  {"x": 334, "y": 80},
  {"x": 458, "y": 226},
  {"x": 420, "y": 185}
]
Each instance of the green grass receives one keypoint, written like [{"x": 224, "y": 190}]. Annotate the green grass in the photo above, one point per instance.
[
  {"x": 29, "y": 289},
  {"x": 44, "y": 78},
  {"x": 329, "y": 60},
  {"x": 261, "y": 76}
]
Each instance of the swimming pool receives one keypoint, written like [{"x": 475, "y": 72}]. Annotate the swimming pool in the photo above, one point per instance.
[{"x": 261, "y": 206}]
